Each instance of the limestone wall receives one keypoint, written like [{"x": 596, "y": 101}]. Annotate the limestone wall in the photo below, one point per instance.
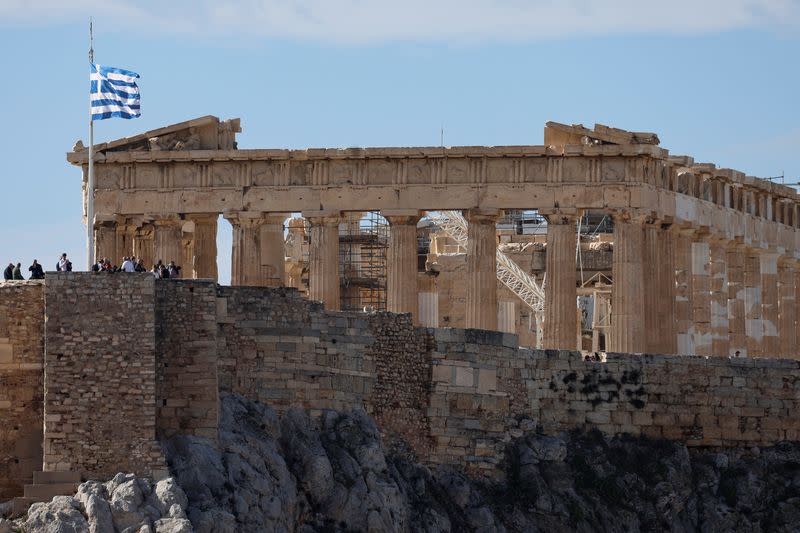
[
  {"x": 399, "y": 400},
  {"x": 186, "y": 358},
  {"x": 129, "y": 360},
  {"x": 281, "y": 349},
  {"x": 21, "y": 383},
  {"x": 100, "y": 366},
  {"x": 456, "y": 396},
  {"x": 485, "y": 392}
]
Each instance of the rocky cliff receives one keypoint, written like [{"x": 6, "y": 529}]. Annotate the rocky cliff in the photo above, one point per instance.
[{"x": 294, "y": 473}]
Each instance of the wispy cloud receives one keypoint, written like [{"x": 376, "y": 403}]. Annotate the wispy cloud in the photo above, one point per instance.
[{"x": 369, "y": 21}]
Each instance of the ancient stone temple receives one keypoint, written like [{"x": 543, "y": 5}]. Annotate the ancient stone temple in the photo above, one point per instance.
[{"x": 703, "y": 260}]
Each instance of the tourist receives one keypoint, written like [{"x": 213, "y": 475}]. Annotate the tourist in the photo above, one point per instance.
[
  {"x": 127, "y": 265},
  {"x": 64, "y": 264},
  {"x": 36, "y": 270},
  {"x": 18, "y": 272},
  {"x": 140, "y": 266},
  {"x": 174, "y": 270},
  {"x": 8, "y": 273},
  {"x": 163, "y": 271}
]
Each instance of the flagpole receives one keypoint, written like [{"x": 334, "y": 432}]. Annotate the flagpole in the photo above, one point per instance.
[{"x": 90, "y": 181}]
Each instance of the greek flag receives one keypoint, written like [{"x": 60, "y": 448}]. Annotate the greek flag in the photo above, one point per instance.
[{"x": 113, "y": 92}]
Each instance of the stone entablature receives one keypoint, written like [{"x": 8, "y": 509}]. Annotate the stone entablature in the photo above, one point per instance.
[{"x": 643, "y": 178}]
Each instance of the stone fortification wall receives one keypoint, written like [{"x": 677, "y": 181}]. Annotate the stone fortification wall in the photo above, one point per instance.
[
  {"x": 128, "y": 360},
  {"x": 21, "y": 383},
  {"x": 485, "y": 392},
  {"x": 399, "y": 399},
  {"x": 100, "y": 366},
  {"x": 281, "y": 349},
  {"x": 186, "y": 358}
]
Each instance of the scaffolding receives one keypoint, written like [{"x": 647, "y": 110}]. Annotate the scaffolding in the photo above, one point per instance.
[
  {"x": 363, "y": 243},
  {"x": 523, "y": 222}
]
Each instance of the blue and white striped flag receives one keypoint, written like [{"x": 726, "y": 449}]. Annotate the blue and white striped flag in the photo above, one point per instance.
[{"x": 113, "y": 92}]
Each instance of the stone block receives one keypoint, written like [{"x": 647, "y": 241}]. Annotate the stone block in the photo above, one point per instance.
[
  {"x": 464, "y": 377},
  {"x": 487, "y": 380}
]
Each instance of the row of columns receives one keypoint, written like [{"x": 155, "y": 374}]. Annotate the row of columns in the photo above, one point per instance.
[
  {"x": 401, "y": 291},
  {"x": 676, "y": 290},
  {"x": 704, "y": 296},
  {"x": 163, "y": 239}
]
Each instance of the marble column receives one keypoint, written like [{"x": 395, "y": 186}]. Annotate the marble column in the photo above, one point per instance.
[
  {"x": 187, "y": 248},
  {"x": 737, "y": 336},
  {"x": 144, "y": 245},
  {"x": 787, "y": 310},
  {"x": 683, "y": 290},
  {"x": 237, "y": 245},
  {"x": 167, "y": 236},
  {"x": 401, "y": 264},
  {"x": 481, "y": 280},
  {"x": 651, "y": 274},
  {"x": 296, "y": 249},
  {"x": 271, "y": 247},
  {"x": 560, "y": 291},
  {"x": 665, "y": 293},
  {"x": 754, "y": 330},
  {"x": 105, "y": 241},
  {"x": 204, "y": 247},
  {"x": 125, "y": 235},
  {"x": 257, "y": 254},
  {"x": 627, "y": 305},
  {"x": 701, "y": 300},
  {"x": 429, "y": 309},
  {"x": 720, "y": 340},
  {"x": 323, "y": 260},
  {"x": 770, "y": 343}
]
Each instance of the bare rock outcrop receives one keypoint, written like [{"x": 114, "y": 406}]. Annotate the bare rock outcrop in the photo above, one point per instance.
[
  {"x": 304, "y": 474},
  {"x": 124, "y": 504}
]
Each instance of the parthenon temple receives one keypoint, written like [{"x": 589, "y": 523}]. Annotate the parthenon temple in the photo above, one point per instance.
[{"x": 598, "y": 239}]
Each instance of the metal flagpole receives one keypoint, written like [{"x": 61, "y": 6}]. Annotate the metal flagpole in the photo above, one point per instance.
[{"x": 90, "y": 181}]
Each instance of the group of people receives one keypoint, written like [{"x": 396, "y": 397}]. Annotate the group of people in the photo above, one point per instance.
[
  {"x": 14, "y": 272},
  {"x": 129, "y": 264},
  {"x": 170, "y": 271},
  {"x": 133, "y": 264}
]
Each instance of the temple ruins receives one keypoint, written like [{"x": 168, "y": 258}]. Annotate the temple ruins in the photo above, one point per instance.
[{"x": 683, "y": 258}]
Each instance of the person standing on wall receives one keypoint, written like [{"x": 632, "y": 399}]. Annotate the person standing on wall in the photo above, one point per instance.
[
  {"x": 36, "y": 270},
  {"x": 64, "y": 264},
  {"x": 18, "y": 272},
  {"x": 127, "y": 265},
  {"x": 8, "y": 273}
]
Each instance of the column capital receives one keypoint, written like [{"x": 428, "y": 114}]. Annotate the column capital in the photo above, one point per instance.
[
  {"x": 105, "y": 220},
  {"x": 401, "y": 220},
  {"x": 482, "y": 216},
  {"x": 166, "y": 220},
  {"x": 254, "y": 218},
  {"x": 322, "y": 218},
  {"x": 401, "y": 216},
  {"x": 633, "y": 216},
  {"x": 202, "y": 217}
]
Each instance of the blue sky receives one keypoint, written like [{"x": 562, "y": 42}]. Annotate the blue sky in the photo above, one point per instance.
[{"x": 718, "y": 81}]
